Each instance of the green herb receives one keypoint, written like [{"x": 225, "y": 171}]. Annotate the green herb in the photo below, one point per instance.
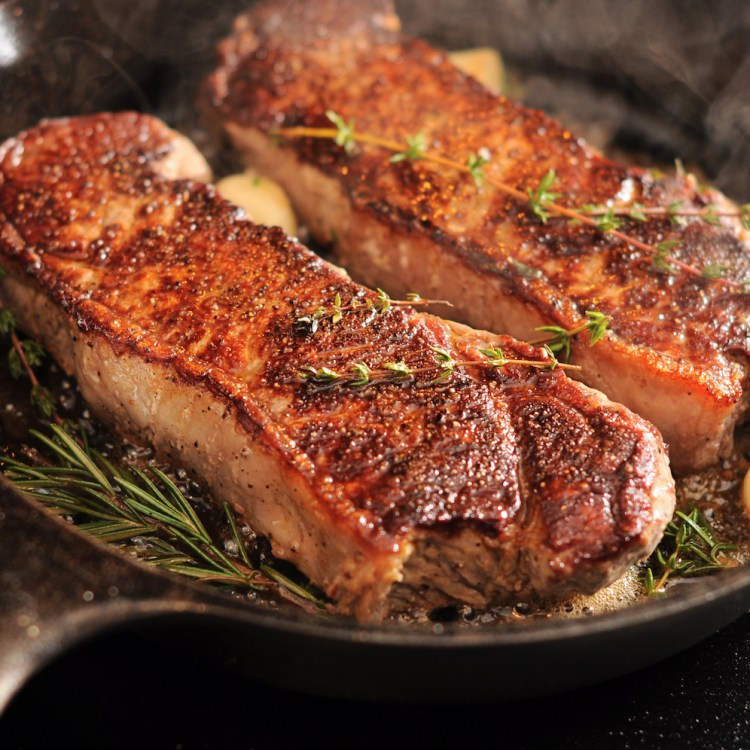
[
  {"x": 43, "y": 401},
  {"x": 399, "y": 369},
  {"x": 416, "y": 148},
  {"x": 542, "y": 198},
  {"x": 715, "y": 271},
  {"x": 7, "y": 322},
  {"x": 475, "y": 163},
  {"x": 23, "y": 357},
  {"x": 446, "y": 363},
  {"x": 673, "y": 211},
  {"x": 607, "y": 218},
  {"x": 142, "y": 511},
  {"x": 688, "y": 548},
  {"x": 29, "y": 353},
  {"x": 495, "y": 355},
  {"x": 362, "y": 374},
  {"x": 337, "y": 314},
  {"x": 335, "y": 311},
  {"x": 662, "y": 259},
  {"x": 559, "y": 341},
  {"x": 637, "y": 212},
  {"x": 384, "y": 301},
  {"x": 319, "y": 375},
  {"x": 710, "y": 216},
  {"x": 344, "y": 131},
  {"x": 608, "y": 221}
]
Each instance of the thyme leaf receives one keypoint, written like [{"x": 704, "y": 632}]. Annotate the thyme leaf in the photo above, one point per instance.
[
  {"x": 310, "y": 322},
  {"x": 475, "y": 163},
  {"x": 337, "y": 314},
  {"x": 715, "y": 271},
  {"x": 399, "y": 369},
  {"x": 495, "y": 355},
  {"x": 542, "y": 200},
  {"x": 608, "y": 221},
  {"x": 637, "y": 212},
  {"x": 43, "y": 401},
  {"x": 542, "y": 197},
  {"x": 7, "y": 322},
  {"x": 662, "y": 259},
  {"x": 320, "y": 376},
  {"x": 416, "y": 148},
  {"x": 384, "y": 301},
  {"x": 363, "y": 374},
  {"x": 559, "y": 340},
  {"x": 31, "y": 352},
  {"x": 345, "y": 136},
  {"x": 710, "y": 216}
]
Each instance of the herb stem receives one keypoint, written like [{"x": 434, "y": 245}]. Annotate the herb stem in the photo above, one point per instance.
[
  {"x": 16, "y": 343},
  {"x": 688, "y": 548},
  {"x": 345, "y": 135},
  {"x": 571, "y": 332},
  {"x": 142, "y": 511}
]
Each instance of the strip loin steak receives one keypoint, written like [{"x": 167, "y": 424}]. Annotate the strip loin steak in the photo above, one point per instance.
[{"x": 180, "y": 320}]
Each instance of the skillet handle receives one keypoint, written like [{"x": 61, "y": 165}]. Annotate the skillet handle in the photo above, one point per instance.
[{"x": 58, "y": 587}]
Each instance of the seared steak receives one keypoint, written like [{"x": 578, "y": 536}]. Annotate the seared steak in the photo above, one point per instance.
[
  {"x": 191, "y": 328},
  {"x": 677, "y": 352}
]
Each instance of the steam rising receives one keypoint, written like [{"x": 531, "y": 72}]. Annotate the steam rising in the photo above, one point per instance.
[{"x": 672, "y": 77}]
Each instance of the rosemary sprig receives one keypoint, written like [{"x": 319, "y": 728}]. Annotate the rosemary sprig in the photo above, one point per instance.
[
  {"x": 561, "y": 339},
  {"x": 142, "y": 511},
  {"x": 688, "y": 548},
  {"x": 360, "y": 374},
  {"x": 335, "y": 310},
  {"x": 541, "y": 199}
]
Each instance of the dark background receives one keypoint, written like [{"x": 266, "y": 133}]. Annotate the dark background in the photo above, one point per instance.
[
  {"x": 671, "y": 78},
  {"x": 127, "y": 691},
  {"x": 667, "y": 78}
]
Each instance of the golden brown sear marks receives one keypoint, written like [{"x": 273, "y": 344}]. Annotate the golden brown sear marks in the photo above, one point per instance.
[
  {"x": 673, "y": 326},
  {"x": 170, "y": 272}
]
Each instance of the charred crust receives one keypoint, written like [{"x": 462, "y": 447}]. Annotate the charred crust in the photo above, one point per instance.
[
  {"x": 398, "y": 85},
  {"x": 169, "y": 272}
]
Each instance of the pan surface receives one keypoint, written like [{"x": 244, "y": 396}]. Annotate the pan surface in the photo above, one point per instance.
[
  {"x": 76, "y": 57},
  {"x": 62, "y": 587}
]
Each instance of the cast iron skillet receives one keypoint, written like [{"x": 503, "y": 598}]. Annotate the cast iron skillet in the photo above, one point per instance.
[{"x": 58, "y": 587}]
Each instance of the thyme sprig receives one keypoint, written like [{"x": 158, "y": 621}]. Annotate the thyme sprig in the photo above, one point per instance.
[
  {"x": 676, "y": 212},
  {"x": 142, "y": 511},
  {"x": 688, "y": 548},
  {"x": 23, "y": 357},
  {"x": 541, "y": 199},
  {"x": 360, "y": 374},
  {"x": 336, "y": 309},
  {"x": 560, "y": 340}
]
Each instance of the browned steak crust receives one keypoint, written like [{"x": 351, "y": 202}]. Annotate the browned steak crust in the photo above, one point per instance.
[
  {"x": 677, "y": 351},
  {"x": 181, "y": 321}
]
